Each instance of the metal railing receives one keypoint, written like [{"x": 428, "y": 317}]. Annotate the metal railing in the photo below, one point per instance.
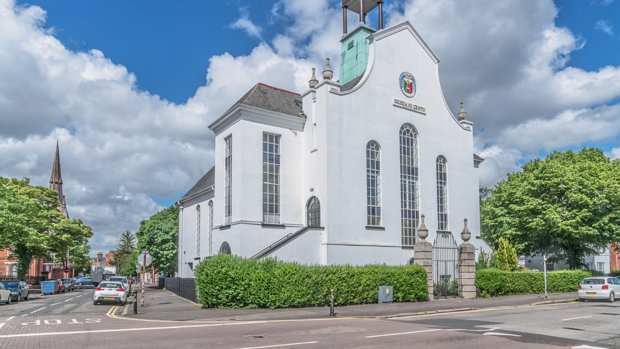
[{"x": 183, "y": 287}]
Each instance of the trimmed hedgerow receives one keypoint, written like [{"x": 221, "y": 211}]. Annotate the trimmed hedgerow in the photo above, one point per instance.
[
  {"x": 495, "y": 282},
  {"x": 225, "y": 281}
]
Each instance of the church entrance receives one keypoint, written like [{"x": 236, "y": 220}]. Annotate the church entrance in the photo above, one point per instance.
[{"x": 445, "y": 265}]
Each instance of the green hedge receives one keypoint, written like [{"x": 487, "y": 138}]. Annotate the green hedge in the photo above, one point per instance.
[
  {"x": 224, "y": 281},
  {"x": 495, "y": 282}
]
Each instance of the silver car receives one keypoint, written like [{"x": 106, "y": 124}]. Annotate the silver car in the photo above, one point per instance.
[
  {"x": 603, "y": 287},
  {"x": 123, "y": 280}
]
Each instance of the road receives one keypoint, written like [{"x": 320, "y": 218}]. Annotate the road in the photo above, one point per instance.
[{"x": 72, "y": 321}]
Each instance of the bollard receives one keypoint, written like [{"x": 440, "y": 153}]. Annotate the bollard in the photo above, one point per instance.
[
  {"x": 135, "y": 303},
  {"x": 331, "y": 303}
]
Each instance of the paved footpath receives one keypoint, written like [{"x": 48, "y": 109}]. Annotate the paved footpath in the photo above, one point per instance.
[{"x": 160, "y": 304}]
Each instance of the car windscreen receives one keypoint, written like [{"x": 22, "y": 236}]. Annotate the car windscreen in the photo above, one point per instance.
[
  {"x": 10, "y": 284},
  {"x": 118, "y": 279},
  {"x": 593, "y": 282}
]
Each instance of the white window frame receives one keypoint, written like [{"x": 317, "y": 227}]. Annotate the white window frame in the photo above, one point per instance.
[
  {"x": 409, "y": 184},
  {"x": 373, "y": 184},
  {"x": 271, "y": 178},
  {"x": 442, "y": 192},
  {"x": 228, "y": 180}
]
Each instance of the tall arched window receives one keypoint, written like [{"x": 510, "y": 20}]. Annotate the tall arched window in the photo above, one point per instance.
[
  {"x": 373, "y": 184},
  {"x": 313, "y": 209},
  {"x": 198, "y": 231},
  {"x": 409, "y": 205},
  {"x": 442, "y": 193},
  {"x": 210, "y": 227},
  {"x": 224, "y": 248}
]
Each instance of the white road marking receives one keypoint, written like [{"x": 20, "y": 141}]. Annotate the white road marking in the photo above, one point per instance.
[
  {"x": 9, "y": 319},
  {"x": 501, "y": 334},
  {"x": 51, "y": 305},
  {"x": 587, "y": 347},
  {"x": 32, "y": 312},
  {"x": 66, "y": 300},
  {"x": 575, "y": 318},
  {"x": 128, "y": 329},
  {"x": 2, "y": 324},
  {"x": 280, "y": 345},
  {"x": 403, "y": 333}
]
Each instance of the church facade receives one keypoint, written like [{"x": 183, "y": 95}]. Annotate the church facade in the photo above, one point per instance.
[{"x": 343, "y": 172}]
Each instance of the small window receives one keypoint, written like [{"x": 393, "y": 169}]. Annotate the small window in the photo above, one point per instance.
[{"x": 350, "y": 45}]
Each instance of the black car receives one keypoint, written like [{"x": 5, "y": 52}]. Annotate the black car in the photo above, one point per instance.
[{"x": 19, "y": 290}]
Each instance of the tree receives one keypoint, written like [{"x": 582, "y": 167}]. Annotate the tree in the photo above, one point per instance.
[
  {"x": 122, "y": 254},
  {"x": 505, "y": 257},
  {"x": 567, "y": 205},
  {"x": 68, "y": 240},
  {"x": 159, "y": 236},
  {"x": 27, "y": 216}
]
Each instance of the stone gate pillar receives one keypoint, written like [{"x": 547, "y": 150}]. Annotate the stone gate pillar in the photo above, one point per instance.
[
  {"x": 423, "y": 255},
  {"x": 467, "y": 266}
]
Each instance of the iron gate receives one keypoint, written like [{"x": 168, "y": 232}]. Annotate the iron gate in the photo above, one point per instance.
[{"x": 445, "y": 264}]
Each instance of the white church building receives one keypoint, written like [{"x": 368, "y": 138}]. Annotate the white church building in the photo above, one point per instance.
[{"x": 343, "y": 172}]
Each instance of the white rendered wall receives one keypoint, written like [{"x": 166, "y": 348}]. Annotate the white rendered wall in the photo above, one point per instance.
[{"x": 188, "y": 221}]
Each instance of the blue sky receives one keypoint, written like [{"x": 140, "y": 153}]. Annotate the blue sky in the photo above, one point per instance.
[{"x": 129, "y": 87}]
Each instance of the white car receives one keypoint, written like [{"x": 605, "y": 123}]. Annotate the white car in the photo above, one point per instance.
[
  {"x": 603, "y": 287},
  {"x": 110, "y": 291},
  {"x": 123, "y": 280},
  {"x": 5, "y": 295}
]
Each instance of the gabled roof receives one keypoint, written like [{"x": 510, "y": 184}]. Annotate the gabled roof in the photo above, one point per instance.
[
  {"x": 271, "y": 98},
  {"x": 203, "y": 184}
]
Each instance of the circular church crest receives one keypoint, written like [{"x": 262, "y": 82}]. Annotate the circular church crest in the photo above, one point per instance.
[{"x": 407, "y": 84}]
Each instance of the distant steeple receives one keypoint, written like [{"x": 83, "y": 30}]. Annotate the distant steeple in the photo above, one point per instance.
[{"x": 56, "y": 182}]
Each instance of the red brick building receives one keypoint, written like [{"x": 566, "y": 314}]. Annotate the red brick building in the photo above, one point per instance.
[{"x": 614, "y": 256}]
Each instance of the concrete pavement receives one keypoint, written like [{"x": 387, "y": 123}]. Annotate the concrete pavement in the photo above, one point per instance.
[{"x": 164, "y": 305}]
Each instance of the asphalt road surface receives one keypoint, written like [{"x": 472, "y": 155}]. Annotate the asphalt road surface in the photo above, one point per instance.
[{"x": 72, "y": 321}]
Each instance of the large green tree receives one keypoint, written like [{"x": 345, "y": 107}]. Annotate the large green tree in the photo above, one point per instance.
[
  {"x": 567, "y": 205},
  {"x": 123, "y": 254},
  {"x": 27, "y": 217},
  {"x": 31, "y": 225},
  {"x": 159, "y": 236}
]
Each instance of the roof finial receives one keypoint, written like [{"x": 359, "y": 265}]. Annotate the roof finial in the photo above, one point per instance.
[
  {"x": 313, "y": 81},
  {"x": 328, "y": 73},
  {"x": 465, "y": 234},
  {"x": 462, "y": 113},
  {"x": 422, "y": 230}
]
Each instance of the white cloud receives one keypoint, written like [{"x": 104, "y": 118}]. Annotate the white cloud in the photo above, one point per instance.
[
  {"x": 244, "y": 23},
  {"x": 605, "y": 27},
  {"x": 614, "y": 153}
]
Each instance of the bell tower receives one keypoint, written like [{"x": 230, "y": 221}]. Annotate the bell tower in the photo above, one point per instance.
[{"x": 354, "y": 50}]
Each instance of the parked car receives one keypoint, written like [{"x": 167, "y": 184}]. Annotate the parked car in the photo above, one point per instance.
[
  {"x": 19, "y": 290},
  {"x": 123, "y": 280},
  {"x": 603, "y": 287},
  {"x": 60, "y": 287},
  {"x": 83, "y": 281},
  {"x": 5, "y": 295},
  {"x": 109, "y": 291},
  {"x": 69, "y": 284}
]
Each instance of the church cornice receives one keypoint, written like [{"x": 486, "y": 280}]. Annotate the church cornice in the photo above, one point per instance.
[{"x": 258, "y": 115}]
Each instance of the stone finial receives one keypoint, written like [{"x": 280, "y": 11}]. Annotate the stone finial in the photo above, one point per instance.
[
  {"x": 462, "y": 113},
  {"x": 313, "y": 81},
  {"x": 465, "y": 234},
  {"x": 328, "y": 73},
  {"x": 422, "y": 230}
]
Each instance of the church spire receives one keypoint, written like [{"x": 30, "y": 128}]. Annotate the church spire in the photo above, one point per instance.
[{"x": 56, "y": 182}]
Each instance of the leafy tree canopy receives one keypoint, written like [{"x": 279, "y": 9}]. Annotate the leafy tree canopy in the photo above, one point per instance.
[
  {"x": 31, "y": 225},
  {"x": 123, "y": 254},
  {"x": 567, "y": 205},
  {"x": 159, "y": 236}
]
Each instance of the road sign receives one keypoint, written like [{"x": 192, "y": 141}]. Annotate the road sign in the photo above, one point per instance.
[{"x": 145, "y": 259}]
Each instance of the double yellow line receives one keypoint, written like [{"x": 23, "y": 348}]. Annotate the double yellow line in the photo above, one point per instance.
[{"x": 112, "y": 311}]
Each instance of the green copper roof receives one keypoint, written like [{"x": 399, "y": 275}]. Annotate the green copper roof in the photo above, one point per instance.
[{"x": 354, "y": 54}]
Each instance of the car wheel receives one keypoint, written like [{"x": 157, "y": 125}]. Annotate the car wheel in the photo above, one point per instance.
[
  {"x": 19, "y": 297},
  {"x": 8, "y": 301},
  {"x": 27, "y": 296},
  {"x": 95, "y": 302},
  {"x": 612, "y": 297}
]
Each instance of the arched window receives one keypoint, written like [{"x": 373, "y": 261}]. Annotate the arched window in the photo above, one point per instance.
[
  {"x": 373, "y": 184},
  {"x": 210, "y": 227},
  {"x": 442, "y": 193},
  {"x": 225, "y": 248},
  {"x": 198, "y": 231},
  {"x": 313, "y": 209},
  {"x": 409, "y": 205}
]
